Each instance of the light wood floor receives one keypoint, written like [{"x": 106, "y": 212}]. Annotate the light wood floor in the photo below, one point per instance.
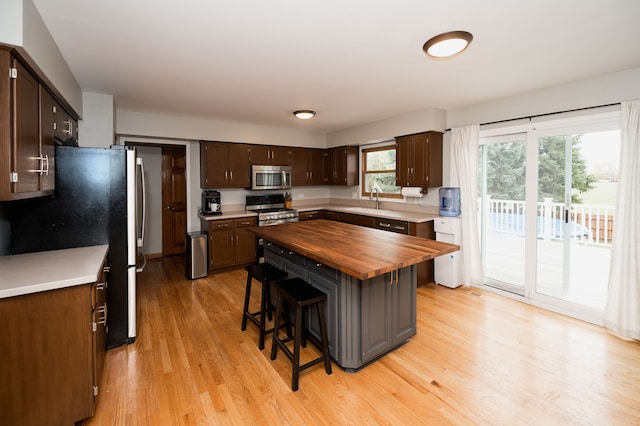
[{"x": 478, "y": 358}]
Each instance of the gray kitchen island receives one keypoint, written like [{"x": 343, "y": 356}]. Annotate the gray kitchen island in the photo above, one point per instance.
[{"x": 369, "y": 277}]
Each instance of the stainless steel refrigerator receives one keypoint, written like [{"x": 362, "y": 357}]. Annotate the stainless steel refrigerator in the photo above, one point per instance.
[{"x": 99, "y": 199}]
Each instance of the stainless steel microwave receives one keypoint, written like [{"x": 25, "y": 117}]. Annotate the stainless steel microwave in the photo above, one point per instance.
[{"x": 270, "y": 177}]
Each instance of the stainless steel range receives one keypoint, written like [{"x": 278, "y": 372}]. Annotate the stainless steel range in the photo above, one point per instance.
[{"x": 270, "y": 209}]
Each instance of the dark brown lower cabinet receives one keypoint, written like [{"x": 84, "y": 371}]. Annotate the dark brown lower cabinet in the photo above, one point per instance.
[
  {"x": 52, "y": 345},
  {"x": 230, "y": 244}
]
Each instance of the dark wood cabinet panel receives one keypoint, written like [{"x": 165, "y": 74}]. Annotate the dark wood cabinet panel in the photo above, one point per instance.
[
  {"x": 419, "y": 160},
  {"x": 245, "y": 243},
  {"x": 230, "y": 244},
  {"x": 47, "y": 139},
  {"x": 221, "y": 249},
  {"x": 26, "y": 102},
  {"x": 64, "y": 125},
  {"x": 28, "y": 121},
  {"x": 341, "y": 166},
  {"x": 270, "y": 155},
  {"x": 224, "y": 165},
  {"x": 316, "y": 214},
  {"x": 356, "y": 219},
  {"x": 239, "y": 166},
  {"x": 307, "y": 166},
  {"x": 315, "y": 166},
  {"x": 53, "y": 346},
  {"x": 299, "y": 167},
  {"x": 213, "y": 167}
]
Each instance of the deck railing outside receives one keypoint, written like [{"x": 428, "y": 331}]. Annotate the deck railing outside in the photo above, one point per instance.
[{"x": 588, "y": 223}]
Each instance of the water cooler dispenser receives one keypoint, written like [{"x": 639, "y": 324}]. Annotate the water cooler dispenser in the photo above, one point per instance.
[
  {"x": 449, "y": 202},
  {"x": 447, "y": 268}
]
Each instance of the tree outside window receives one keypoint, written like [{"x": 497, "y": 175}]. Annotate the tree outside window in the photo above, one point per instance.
[{"x": 379, "y": 171}]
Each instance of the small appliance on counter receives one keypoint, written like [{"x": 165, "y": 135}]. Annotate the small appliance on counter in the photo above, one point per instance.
[
  {"x": 211, "y": 203},
  {"x": 449, "y": 202}
]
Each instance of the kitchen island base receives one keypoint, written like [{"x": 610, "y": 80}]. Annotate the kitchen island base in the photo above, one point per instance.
[{"x": 365, "y": 318}]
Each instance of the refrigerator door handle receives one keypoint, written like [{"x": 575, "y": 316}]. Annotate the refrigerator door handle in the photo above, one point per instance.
[
  {"x": 143, "y": 199},
  {"x": 142, "y": 213}
]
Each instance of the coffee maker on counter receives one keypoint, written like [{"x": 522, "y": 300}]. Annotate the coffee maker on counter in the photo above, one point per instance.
[{"x": 211, "y": 203}]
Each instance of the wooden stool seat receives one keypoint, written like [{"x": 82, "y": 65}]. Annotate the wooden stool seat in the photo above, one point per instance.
[
  {"x": 265, "y": 274},
  {"x": 298, "y": 294}
]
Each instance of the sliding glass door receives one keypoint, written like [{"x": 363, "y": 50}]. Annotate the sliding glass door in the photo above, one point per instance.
[
  {"x": 577, "y": 181},
  {"x": 502, "y": 205},
  {"x": 546, "y": 213}
]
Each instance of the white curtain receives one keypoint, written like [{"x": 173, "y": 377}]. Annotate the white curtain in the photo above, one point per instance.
[
  {"x": 622, "y": 313},
  {"x": 464, "y": 173}
]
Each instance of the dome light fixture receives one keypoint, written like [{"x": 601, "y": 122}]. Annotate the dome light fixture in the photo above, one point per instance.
[
  {"x": 446, "y": 45},
  {"x": 304, "y": 114}
]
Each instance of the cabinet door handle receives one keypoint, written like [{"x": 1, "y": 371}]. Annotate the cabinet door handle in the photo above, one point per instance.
[
  {"x": 102, "y": 310},
  {"x": 69, "y": 129},
  {"x": 40, "y": 169},
  {"x": 226, "y": 175},
  {"x": 385, "y": 225},
  {"x": 393, "y": 277},
  {"x": 231, "y": 175}
]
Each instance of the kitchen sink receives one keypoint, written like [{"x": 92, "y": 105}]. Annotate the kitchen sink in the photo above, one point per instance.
[{"x": 376, "y": 212}]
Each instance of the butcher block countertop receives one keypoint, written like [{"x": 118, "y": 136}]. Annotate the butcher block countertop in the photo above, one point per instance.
[
  {"x": 355, "y": 250},
  {"x": 50, "y": 270}
]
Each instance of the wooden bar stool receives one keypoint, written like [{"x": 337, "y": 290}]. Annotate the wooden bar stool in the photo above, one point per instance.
[
  {"x": 265, "y": 274},
  {"x": 296, "y": 292}
]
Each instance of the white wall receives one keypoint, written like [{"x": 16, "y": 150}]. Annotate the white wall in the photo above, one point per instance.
[
  {"x": 413, "y": 122},
  {"x": 602, "y": 90},
  {"x": 97, "y": 127},
  {"x": 22, "y": 26},
  {"x": 195, "y": 128},
  {"x": 11, "y": 22}
]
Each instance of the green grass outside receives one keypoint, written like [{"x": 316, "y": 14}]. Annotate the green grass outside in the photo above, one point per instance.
[{"x": 603, "y": 193}]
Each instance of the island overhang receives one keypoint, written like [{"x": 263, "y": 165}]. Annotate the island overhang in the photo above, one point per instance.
[{"x": 355, "y": 250}]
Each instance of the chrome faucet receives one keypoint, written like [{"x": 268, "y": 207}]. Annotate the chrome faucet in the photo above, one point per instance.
[{"x": 377, "y": 191}]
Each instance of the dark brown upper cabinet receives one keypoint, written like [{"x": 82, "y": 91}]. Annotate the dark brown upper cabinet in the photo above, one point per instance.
[
  {"x": 307, "y": 166},
  {"x": 27, "y": 131},
  {"x": 270, "y": 155},
  {"x": 224, "y": 165},
  {"x": 419, "y": 160},
  {"x": 341, "y": 166}
]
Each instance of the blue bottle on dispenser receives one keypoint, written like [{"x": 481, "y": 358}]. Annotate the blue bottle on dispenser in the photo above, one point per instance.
[{"x": 449, "y": 202}]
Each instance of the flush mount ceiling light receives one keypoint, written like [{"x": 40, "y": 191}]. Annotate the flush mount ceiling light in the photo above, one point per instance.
[
  {"x": 304, "y": 114},
  {"x": 447, "y": 45}
]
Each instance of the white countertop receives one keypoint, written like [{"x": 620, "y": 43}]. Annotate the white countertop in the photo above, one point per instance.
[
  {"x": 415, "y": 217},
  {"x": 233, "y": 214},
  {"x": 50, "y": 270}
]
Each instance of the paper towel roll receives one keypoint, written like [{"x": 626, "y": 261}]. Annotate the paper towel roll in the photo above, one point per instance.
[{"x": 411, "y": 192}]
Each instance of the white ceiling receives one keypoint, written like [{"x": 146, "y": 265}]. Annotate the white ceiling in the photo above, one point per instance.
[{"x": 353, "y": 61}]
